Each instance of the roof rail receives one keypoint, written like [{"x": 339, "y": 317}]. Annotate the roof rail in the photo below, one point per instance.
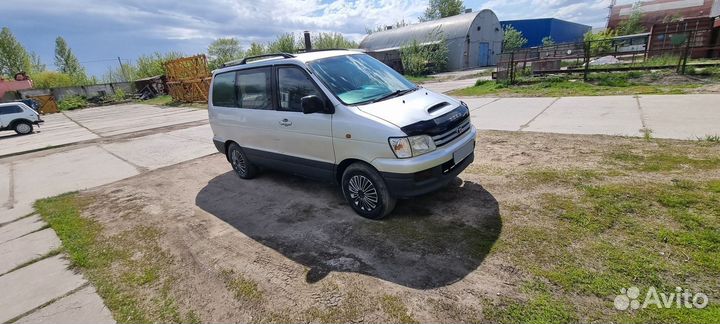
[
  {"x": 323, "y": 50},
  {"x": 245, "y": 59}
]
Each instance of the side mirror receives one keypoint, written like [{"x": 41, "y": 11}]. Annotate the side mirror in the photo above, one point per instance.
[{"x": 312, "y": 104}]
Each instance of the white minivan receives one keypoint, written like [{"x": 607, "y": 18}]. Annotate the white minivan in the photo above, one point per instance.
[{"x": 340, "y": 116}]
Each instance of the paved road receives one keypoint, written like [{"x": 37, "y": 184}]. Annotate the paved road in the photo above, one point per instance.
[
  {"x": 37, "y": 288},
  {"x": 94, "y": 123},
  {"x": 685, "y": 117}
]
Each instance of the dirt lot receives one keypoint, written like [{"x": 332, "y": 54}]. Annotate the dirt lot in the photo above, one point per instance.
[{"x": 540, "y": 228}]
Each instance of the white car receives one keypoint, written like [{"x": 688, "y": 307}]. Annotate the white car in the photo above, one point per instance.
[
  {"x": 19, "y": 117},
  {"x": 343, "y": 117}
]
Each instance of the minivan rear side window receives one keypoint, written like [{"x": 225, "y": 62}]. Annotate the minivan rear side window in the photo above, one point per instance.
[
  {"x": 254, "y": 89},
  {"x": 224, "y": 90},
  {"x": 293, "y": 84}
]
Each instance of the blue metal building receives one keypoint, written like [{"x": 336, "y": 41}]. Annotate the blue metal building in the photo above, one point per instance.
[{"x": 535, "y": 30}]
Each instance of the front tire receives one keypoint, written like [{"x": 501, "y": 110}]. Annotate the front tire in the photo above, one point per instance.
[
  {"x": 366, "y": 192},
  {"x": 23, "y": 128},
  {"x": 240, "y": 163}
]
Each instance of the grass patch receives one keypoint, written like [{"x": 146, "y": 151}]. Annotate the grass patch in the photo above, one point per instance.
[
  {"x": 661, "y": 161},
  {"x": 395, "y": 309},
  {"x": 599, "y": 84},
  {"x": 419, "y": 79},
  {"x": 166, "y": 100},
  {"x": 554, "y": 176},
  {"x": 541, "y": 308},
  {"x": 242, "y": 288},
  {"x": 121, "y": 267}
]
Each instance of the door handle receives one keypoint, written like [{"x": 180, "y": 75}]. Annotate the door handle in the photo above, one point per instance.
[{"x": 285, "y": 122}]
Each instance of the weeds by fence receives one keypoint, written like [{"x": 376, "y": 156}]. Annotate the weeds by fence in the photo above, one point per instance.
[{"x": 668, "y": 46}]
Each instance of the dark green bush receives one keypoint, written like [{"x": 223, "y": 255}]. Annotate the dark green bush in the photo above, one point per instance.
[{"x": 72, "y": 102}]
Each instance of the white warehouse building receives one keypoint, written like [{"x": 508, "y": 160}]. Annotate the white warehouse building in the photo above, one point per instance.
[{"x": 474, "y": 39}]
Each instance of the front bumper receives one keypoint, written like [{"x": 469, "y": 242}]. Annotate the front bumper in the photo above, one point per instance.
[
  {"x": 406, "y": 185},
  {"x": 38, "y": 122}
]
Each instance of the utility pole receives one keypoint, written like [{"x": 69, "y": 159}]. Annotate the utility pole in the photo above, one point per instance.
[
  {"x": 612, "y": 5},
  {"x": 122, "y": 69}
]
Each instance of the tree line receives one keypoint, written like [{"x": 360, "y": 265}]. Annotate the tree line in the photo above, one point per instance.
[{"x": 15, "y": 58}]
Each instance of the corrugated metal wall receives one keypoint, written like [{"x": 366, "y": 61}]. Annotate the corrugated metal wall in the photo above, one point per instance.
[{"x": 560, "y": 30}]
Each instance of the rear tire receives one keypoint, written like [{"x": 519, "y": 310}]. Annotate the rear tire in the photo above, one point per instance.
[
  {"x": 23, "y": 128},
  {"x": 366, "y": 192},
  {"x": 240, "y": 163}
]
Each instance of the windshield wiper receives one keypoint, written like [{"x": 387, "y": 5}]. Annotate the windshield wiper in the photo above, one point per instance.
[{"x": 396, "y": 93}]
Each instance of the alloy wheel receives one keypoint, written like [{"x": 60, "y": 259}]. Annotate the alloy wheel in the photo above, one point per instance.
[{"x": 363, "y": 193}]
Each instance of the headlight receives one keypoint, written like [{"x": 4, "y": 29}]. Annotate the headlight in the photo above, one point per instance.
[{"x": 406, "y": 147}]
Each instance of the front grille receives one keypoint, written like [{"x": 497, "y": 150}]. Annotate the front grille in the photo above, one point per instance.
[{"x": 452, "y": 134}]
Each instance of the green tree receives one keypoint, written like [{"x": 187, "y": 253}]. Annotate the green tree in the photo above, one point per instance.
[
  {"x": 52, "y": 79},
  {"x": 548, "y": 41},
  {"x": 419, "y": 59},
  {"x": 152, "y": 65},
  {"x": 599, "y": 42},
  {"x": 331, "y": 40},
  {"x": 442, "y": 8},
  {"x": 633, "y": 24},
  {"x": 67, "y": 62},
  {"x": 13, "y": 56},
  {"x": 223, "y": 50},
  {"x": 256, "y": 49},
  {"x": 513, "y": 40},
  {"x": 284, "y": 43}
]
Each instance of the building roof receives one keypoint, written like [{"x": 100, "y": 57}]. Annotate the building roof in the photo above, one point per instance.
[
  {"x": 452, "y": 27},
  {"x": 510, "y": 22}
]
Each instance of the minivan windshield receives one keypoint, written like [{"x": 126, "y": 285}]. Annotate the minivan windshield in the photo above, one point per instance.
[{"x": 360, "y": 79}]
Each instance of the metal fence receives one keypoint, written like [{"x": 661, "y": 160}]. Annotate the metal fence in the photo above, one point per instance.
[{"x": 667, "y": 46}]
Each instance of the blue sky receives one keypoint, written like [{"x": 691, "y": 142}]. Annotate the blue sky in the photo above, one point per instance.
[{"x": 100, "y": 31}]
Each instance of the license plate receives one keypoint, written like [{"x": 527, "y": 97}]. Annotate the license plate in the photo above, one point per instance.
[{"x": 463, "y": 152}]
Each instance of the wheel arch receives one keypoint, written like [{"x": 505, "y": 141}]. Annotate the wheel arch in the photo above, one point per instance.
[
  {"x": 17, "y": 121},
  {"x": 342, "y": 166}
]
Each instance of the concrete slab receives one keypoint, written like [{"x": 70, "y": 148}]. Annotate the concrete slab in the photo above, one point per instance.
[
  {"x": 10, "y": 214},
  {"x": 71, "y": 170},
  {"x": 682, "y": 116},
  {"x": 5, "y": 186},
  {"x": 202, "y": 134},
  {"x": 20, "y": 227},
  {"x": 159, "y": 150},
  {"x": 127, "y": 118},
  {"x": 446, "y": 86},
  {"x": 83, "y": 306},
  {"x": 27, "y": 248},
  {"x": 57, "y": 130},
  {"x": 613, "y": 115},
  {"x": 509, "y": 113},
  {"x": 30, "y": 287},
  {"x": 476, "y": 103}
]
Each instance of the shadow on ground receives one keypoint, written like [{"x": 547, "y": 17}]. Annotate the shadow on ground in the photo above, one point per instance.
[{"x": 428, "y": 242}]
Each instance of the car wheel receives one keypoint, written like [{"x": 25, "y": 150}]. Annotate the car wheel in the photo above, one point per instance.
[
  {"x": 23, "y": 128},
  {"x": 366, "y": 192},
  {"x": 240, "y": 163}
]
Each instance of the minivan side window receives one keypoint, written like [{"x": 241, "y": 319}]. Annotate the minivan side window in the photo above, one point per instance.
[
  {"x": 254, "y": 89},
  {"x": 293, "y": 84},
  {"x": 224, "y": 90},
  {"x": 10, "y": 110}
]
